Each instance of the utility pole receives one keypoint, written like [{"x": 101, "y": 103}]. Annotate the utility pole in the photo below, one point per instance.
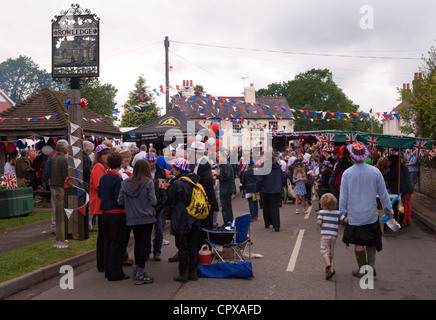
[{"x": 167, "y": 74}]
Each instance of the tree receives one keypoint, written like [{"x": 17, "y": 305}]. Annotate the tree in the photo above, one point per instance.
[
  {"x": 147, "y": 112},
  {"x": 419, "y": 117},
  {"x": 21, "y": 78},
  {"x": 100, "y": 97},
  {"x": 315, "y": 90}
]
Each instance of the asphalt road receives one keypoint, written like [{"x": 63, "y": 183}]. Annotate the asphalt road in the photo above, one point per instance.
[{"x": 291, "y": 269}]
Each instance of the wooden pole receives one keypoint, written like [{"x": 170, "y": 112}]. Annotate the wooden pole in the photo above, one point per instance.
[
  {"x": 399, "y": 182},
  {"x": 77, "y": 220},
  {"x": 167, "y": 74}
]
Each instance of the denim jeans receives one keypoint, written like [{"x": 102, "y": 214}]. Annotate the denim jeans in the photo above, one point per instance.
[
  {"x": 226, "y": 208},
  {"x": 252, "y": 204},
  {"x": 158, "y": 234}
]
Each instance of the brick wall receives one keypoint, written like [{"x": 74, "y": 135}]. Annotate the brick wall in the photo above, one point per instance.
[{"x": 427, "y": 182}]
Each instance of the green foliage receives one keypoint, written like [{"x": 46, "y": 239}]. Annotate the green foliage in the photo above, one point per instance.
[
  {"x": 143, "y": 115},
  {"x": 315, "y": 90},
  {"x": 197, "y": 89},
  {"x": 420, "y": 117},
  {"x": 100, "y": 97},
  {"x": 21, "y": 78}
]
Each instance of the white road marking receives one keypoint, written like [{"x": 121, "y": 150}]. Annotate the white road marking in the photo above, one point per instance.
[
  {"x": 309, "y": 210},
  {"x": 294, "y": 256}
]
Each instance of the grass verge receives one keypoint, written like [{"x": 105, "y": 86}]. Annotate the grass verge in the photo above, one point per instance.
[
  {"x": 18, "y": 262},
  {"x": 19, "y": 221}
]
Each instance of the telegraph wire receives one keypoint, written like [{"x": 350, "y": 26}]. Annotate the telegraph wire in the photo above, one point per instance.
[{"x": 307, "y": 53}]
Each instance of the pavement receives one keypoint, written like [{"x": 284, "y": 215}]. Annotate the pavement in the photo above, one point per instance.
[{"x": 15, "y": 238}]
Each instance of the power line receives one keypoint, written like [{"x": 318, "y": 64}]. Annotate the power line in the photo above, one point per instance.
[
  {"x": 307, "y": 53},
  {"x": 200, "y": 67}
]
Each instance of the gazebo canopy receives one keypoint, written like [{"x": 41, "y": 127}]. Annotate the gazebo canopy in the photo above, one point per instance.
[
  {"x": 330, "y": 138},
  {"x": 155, "y": 130}
]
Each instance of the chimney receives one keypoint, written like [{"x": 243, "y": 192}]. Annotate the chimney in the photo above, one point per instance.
[
  {"x": 190, "y": 91},
  {"x": 408, "y": 87},
  {"x": 250, "y": 94}
]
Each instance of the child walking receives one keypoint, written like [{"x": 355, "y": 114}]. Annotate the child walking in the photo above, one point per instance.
[
  {"x": 328, "y": 219},
  {"x": 300, "y": 187}
]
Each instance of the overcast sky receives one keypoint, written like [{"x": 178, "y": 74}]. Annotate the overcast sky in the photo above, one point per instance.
[{"x": 314, "y": 33}]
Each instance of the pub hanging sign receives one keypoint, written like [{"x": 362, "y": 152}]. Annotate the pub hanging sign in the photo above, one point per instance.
[{"x": 75, "y": 43}]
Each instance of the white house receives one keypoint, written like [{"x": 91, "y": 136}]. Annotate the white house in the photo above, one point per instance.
[
  {"x": 246, "y": 121},
  {"x": 393, "y": 121}
]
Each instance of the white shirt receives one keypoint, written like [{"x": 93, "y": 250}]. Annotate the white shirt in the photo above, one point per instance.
[
  {"x": 9, "y": 169},
  {"x": 140, "y": 155}
]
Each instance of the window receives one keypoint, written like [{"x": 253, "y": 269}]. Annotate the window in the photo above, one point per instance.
[
  {"x": 237, "y": 126},
  {"x": 273, "y": 126}
]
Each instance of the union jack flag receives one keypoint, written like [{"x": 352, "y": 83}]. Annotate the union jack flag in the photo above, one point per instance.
[
  {"x": 387, "y": 151},
  {"x": 329, "y": 141},
  {"x": 351, "y": 138},
  {"x": 419, "y": 147},
  {"x": 320, "y": 140},
  {"x": 372, "y": 143},
  {"x": 431, "y": 153},
  {"x": 11, "y": 181}
]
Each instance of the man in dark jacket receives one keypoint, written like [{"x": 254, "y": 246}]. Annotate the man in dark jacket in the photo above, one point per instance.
[
  {"x": 227, "y": 187},
  {"x": 250, "y": 188},
  {"x": 186, "y": 229},
  {"x": 58, "y": 174},
  {"x": 203, "y": 169},
  {"x": 271, "y": 188}
]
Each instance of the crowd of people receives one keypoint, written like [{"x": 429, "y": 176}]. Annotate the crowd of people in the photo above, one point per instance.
[
  {"x": 131, "y": 192},
  {"x": 350, "y": 198}
]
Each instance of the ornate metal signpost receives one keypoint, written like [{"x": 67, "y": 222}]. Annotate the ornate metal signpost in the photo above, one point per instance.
[
  {"x": 75, "y": 54},
  {"x": 75, "y": 43}
]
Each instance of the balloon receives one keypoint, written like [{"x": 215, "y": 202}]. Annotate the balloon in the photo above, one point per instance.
[
  {"x": 212, "y": 149},
  {"x": 161, "y": 161},
  {"x": 211, "y": 141},
  {"x": 11, "y": 148},
  {"x": 191, "y": 139},
  {"x": 168, "y": 166},
  {"x": 220, "y": 132},
  {"x": 218, "y": 143},
  {"x": 198, "y": 137},
  {"x": 215, "y": 127},
  {"x": 211, "y": 133},
  {"x": 46, "y": 150}
]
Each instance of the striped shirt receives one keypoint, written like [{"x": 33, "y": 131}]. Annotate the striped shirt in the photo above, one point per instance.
[{"x": 330, "y": 222}]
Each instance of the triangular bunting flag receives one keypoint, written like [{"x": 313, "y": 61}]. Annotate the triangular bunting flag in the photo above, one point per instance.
[{"x": 68, "y": 212}]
